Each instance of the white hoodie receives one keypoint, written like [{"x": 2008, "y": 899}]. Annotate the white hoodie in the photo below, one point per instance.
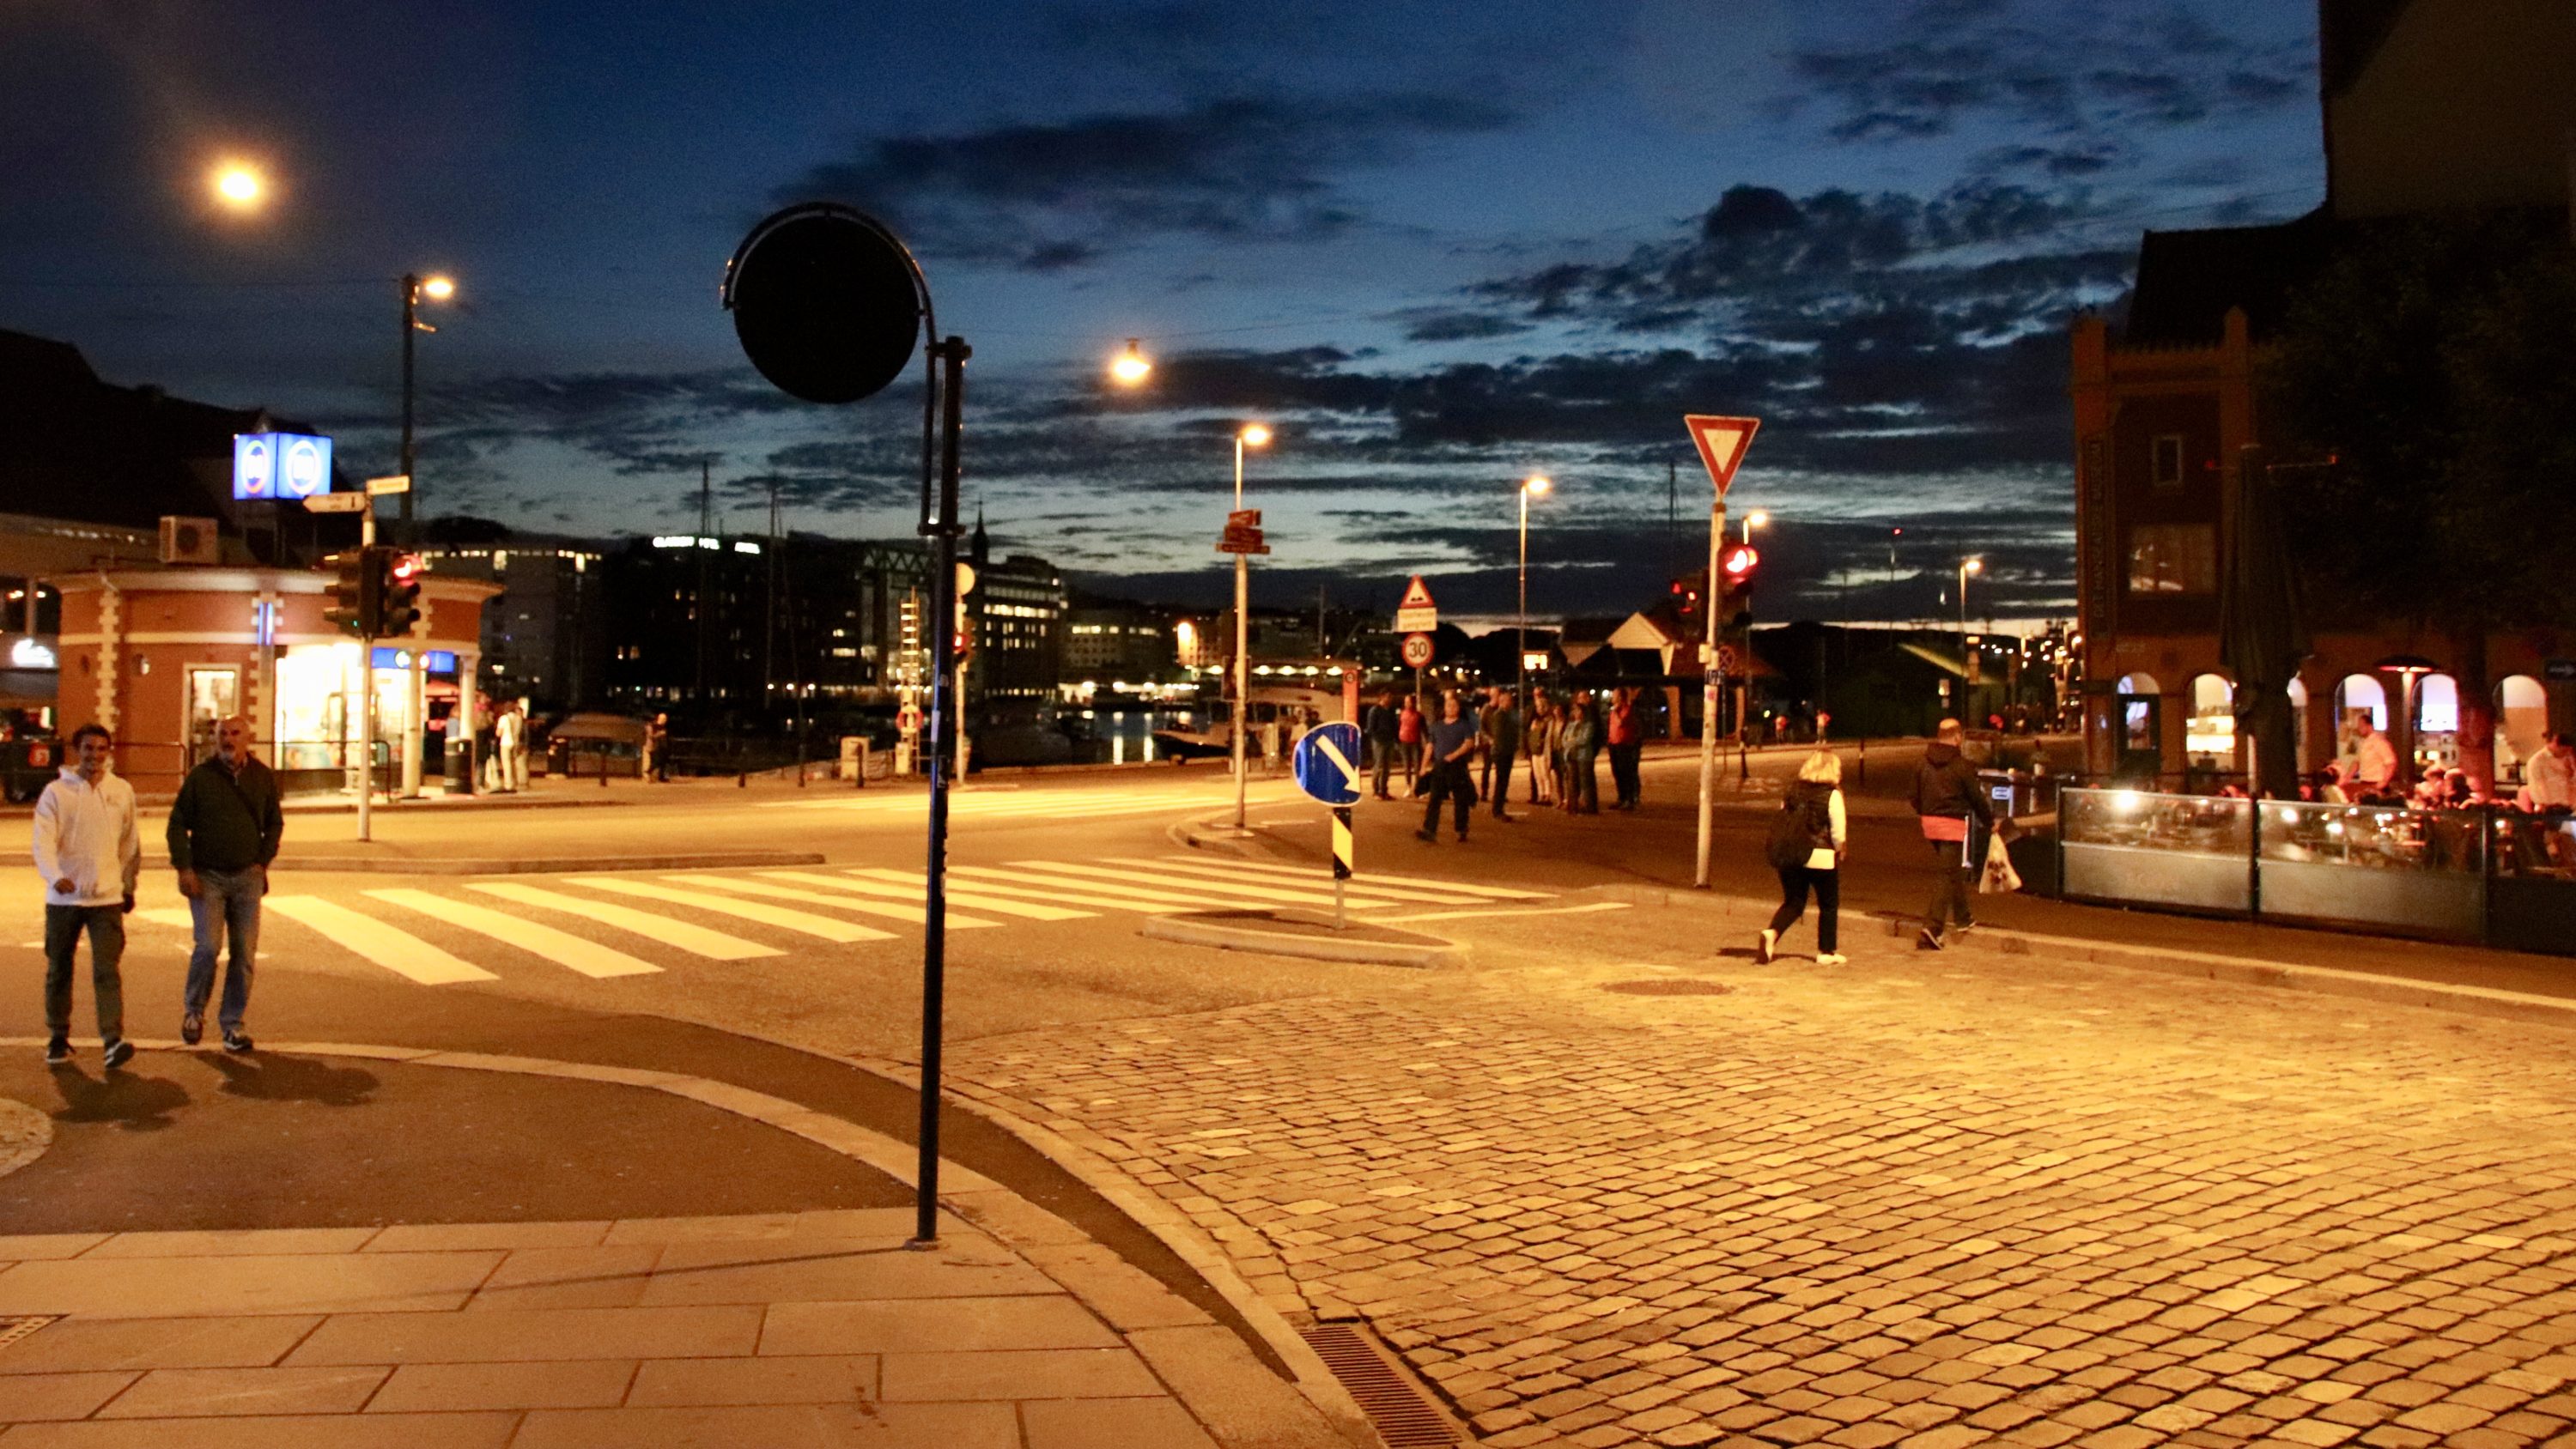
[{"x": 85, "y": 834}]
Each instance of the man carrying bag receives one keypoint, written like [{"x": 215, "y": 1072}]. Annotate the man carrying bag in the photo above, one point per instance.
[{"x": 1955, "y": 815}]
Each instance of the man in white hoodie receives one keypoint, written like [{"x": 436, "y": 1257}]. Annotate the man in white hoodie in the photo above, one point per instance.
[{"x": 88, "y": 854}]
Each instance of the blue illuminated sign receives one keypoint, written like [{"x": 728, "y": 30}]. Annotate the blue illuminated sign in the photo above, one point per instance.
[
  {"x": 280, "y": 465},
  {"x": 436, "y": 661},
  {"x": 441, "y": 661}
]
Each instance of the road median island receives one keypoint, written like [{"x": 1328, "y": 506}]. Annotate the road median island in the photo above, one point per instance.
[{"x": 1309, "y": 934}]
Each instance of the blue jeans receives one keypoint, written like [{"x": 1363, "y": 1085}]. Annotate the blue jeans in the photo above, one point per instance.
[{"x": 225, "y": 900}]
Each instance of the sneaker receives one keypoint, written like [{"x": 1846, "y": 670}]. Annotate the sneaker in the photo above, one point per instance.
[
  {"x": 192, "y": 1028},
  {"x": 1462, "y": 837},
  {"x": 1426, "y": 837},
  {"x": 1929, "y": 940},
  {"x": 58, "y": 1051},
  {"x": 1762, "y": 947},
  {"x": 116, "y": 1054},
  {"x": 1830, "y": 958},
  {"x": 236, "y": 1040}
]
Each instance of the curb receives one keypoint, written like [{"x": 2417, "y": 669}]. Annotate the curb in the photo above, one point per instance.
[
  {"x": 2448, "y": 996},
  {"x": 1102, "y": 1282},
  {"x": 1433, "y": 951},
  {"x": 328, "y": 806},
  {"x": 1147, "y": 1208}
]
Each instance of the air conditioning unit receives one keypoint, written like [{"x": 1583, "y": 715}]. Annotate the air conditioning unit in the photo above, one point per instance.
[{"x": 190, "y": 541}]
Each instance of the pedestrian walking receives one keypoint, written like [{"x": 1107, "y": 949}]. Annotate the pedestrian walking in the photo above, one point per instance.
[
  {"x": 1808, "y": 842},
  {"x": 1627, "y": 745},
  {"x": 1955, "y": 815},
  {"x": 506, "y": 733},
  {"x": 657, "y": 750},
  {"x": 519, "y": 747},
  {"x": 225, "y": 828},
  {"x": 1502, "y": 732},
  {"x": 88, "y": 855},
  {"x": 1545, "y": 727},
  {"x": 1582, "y": 789},
  {"x": 1382, "y": 727},
  {"x": 1408, "y": 739},
  {"x": 1452, "y": 748}
]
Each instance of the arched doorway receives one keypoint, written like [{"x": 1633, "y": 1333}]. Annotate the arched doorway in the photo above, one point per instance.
[
  {"x": 2141, "y": 750},
  {"x": 2522, "y": 717},
  {"x": 2358, "y": 697},
  {"x": 2209, "y": 731},
  {"x": 2437, "y": 722}
]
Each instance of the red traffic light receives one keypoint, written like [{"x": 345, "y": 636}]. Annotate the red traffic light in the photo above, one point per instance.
[
  {"x": 1739, "y": 561},
  {"x": 407, "y": 566}
]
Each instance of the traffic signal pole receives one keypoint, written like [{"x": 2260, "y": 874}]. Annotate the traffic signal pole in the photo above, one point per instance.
[
  {"x": 367, "y": 649},
  {"x": 1712, "y": 687}
]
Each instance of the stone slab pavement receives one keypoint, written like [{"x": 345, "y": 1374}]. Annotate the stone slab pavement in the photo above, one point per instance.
[
  {"x": 365, "y": 1314},
  {"x": 1616, "y": 1184}
]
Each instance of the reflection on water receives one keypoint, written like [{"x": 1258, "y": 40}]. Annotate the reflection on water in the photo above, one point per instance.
[{"x": 1086, "y": 737}]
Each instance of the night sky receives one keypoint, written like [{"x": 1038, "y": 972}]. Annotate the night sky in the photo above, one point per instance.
[{"x": 1437, "y": 246}]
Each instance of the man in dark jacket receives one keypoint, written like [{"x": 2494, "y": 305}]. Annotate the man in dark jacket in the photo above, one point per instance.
[
  {"x": 1380, "y": 726},
  {"x": 1955, "y": 815},
  {"x": 224, "y": 831}
]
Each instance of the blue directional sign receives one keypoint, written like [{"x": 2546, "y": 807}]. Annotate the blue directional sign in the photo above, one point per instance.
[
  {"x": 280, "y": 465},
  {"x": 1328, "y": 763}
]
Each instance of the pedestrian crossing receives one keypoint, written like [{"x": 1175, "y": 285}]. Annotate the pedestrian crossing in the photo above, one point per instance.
[
  {"x": 989, "y": 802},
  {"x": 645, "y": 924}
]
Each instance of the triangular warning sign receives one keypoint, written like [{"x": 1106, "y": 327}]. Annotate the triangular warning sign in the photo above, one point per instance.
[
  {"x": 1417, "y": 595},
  {"x": 1721, "y": 442}
]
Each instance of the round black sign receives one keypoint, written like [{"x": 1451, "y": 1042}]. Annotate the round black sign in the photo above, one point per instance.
[{"x": 826, "y": 301}]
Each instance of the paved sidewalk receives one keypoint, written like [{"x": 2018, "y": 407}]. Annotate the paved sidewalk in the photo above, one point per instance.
[
  {"x": 814, "y": 1328},
  {"x": 354, "y": 1313}
]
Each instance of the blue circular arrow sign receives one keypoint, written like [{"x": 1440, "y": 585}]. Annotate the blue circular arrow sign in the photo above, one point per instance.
[{"x": 1328, "y": 763}]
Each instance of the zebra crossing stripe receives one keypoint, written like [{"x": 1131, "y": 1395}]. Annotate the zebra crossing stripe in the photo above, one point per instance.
[
  {"x": 1125, "y": 898},
  {"x": 898, "y": 886},
  {"x": 397, "y": 951},
  {"x": 915, "y": 914},
  {"x": 179, "y": 916},
  {"x": 587, "y": 957},
  {"x": 696, "y": 940},
  {"x": 1203, "y": 891},
  {"x": 972, "y": 878},
  {"x": 805, "y": 923},
  {"x": 1358, "y": 885},
  {"x": 1279, "y": 872},
  {"x": 790, "y": 893}
]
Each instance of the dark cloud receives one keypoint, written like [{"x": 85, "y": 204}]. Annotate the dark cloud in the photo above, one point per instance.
[
  {"x": 642, "y": 423},
  {"x": 1944, "y": 64},
  {"x": 1047, "y": 196}
]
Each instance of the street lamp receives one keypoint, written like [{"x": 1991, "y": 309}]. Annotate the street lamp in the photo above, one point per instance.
[
  {"x": 1535, "y": 485},
  {"x": 1250, "y": 435},
  {"x": 1967, "y": 566},
  {"x": 437, "y": 288},
  {"x": 1130, "y": 367},
  {"x": 1756, "y": 519},
  {"x": 238, "y": 186}
]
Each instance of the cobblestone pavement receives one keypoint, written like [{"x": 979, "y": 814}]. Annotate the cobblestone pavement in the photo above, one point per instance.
[{"x": 1924, "y": 1200}]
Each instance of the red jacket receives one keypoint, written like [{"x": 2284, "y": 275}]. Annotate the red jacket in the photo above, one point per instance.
[{"x": 1623, "y": 724}]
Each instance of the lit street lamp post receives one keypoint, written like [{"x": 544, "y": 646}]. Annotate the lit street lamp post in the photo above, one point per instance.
[
  {"x": 1967, "y": 566},
  {"x": 1753, "y": 519},
  {"x": 1250, "y": 435},
  {"x": 1534, "y": 486},
  {"x": 414, "y": 287}
]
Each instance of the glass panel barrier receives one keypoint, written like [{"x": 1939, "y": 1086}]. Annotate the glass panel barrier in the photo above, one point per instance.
[
  {"x": 2418, "y": 871},
  {"x": 2192, "y": 851}
]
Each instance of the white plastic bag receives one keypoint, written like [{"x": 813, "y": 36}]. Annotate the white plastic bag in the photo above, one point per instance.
[{"x": 1998, "y": 876}]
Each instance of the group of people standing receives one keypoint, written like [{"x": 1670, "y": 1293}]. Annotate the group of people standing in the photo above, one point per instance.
[
  {"x": 1471, "y": 750},
  {"x": 224, "y": 831}
]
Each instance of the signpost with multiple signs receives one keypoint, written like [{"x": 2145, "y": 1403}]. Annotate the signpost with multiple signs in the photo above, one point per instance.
[{"x": 1242, "y": 533}]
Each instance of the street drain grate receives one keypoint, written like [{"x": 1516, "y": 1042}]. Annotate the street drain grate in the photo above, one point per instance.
[
  {"x": 1404, "y": 1419},
  {"x": 1669, "y": 987},
  {"x": 14, "y": 1329}
]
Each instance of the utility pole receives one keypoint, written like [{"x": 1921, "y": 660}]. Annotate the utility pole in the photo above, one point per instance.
[
  {"x": 705, "y": 509},
  {"x": 769, "y": 614}
]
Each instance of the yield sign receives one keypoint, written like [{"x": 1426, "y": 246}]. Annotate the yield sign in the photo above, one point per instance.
[{"x": 1722, "y": 442}]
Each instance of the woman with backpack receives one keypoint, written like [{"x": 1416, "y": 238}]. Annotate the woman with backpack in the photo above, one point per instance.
[{"x": 1808, "y": 840}]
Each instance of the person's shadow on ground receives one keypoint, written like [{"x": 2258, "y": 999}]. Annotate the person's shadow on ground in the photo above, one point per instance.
[
  {"x": 268, "y": 1077},
  {"x": 134, "y": 1102}
]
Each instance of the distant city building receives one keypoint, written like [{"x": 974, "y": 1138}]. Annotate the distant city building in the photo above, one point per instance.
[
  {"x": 729, "y": 627},
  {"x": 1114, "y": 639},
  {"x": 545, "y": 638},
  {"x": 1017, "y": 614}
]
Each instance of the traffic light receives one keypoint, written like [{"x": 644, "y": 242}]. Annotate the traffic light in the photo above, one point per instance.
[
  {"x": 398, "y": 596},
  {"x": 1738, "y": 563},
  {"x": 1685, "y": 599},
  {"x": 356, "y": 593}
]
